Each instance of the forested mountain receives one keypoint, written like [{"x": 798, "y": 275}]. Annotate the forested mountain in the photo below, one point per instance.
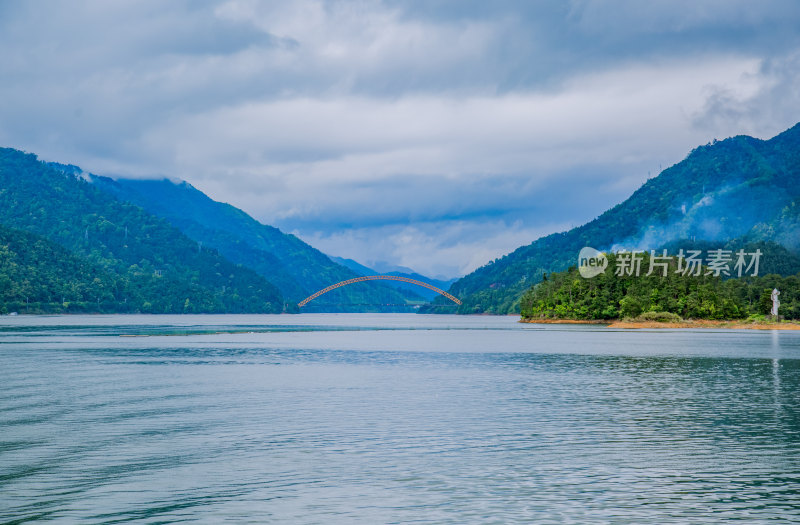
[
  {"x": 567, "y": 295},
  {"x": 740, "y": 187},
  {"x": 296, "y": 268},
  {"x": 153, "y": 267}
]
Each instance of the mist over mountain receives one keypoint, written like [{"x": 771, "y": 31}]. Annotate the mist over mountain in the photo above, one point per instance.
[
  {"x": 148, "y": 236},
  {"x": 740, "y": 188}
]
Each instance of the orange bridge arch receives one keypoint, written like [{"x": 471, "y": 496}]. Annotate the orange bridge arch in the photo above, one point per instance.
[{"x": 376, "y": 278}]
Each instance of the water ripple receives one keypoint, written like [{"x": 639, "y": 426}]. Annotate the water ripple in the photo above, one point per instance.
[{"x": 443, "y": 425}]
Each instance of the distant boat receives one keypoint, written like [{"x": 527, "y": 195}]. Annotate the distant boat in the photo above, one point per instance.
[{"x": 13, "y": 313}]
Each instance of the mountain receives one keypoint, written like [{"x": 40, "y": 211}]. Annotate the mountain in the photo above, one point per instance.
[
  {"x": 355, "y": 266},
  {"x": 387, "y": 267},
  {"x": 739, "y": 188},
  {"x": 400, "y": 271},
  {"x": 153, "y": 266},
  {"x": 296, "y": 268}
]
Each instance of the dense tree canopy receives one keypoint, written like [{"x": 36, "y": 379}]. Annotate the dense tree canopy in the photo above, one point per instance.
[{"x": 568, "y": 295}]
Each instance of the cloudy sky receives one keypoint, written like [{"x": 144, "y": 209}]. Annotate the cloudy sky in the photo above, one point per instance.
[{"x": 431, "y": 134}]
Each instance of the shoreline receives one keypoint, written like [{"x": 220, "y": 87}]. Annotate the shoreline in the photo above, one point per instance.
[{"x": 689, "y": 323}]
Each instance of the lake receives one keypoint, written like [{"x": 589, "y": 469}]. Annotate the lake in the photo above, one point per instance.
[{"x": 393, "y": 418}]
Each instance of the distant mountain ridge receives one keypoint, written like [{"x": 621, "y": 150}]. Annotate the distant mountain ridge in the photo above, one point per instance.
[
  {"x": 741, "y": 187},
  {"x": 296, "y": 268},
  {"x": 355, "y": 266},
  {"x": 400, "y": 271}
]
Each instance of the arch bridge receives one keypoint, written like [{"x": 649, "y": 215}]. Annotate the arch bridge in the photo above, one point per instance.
[{"x": 377, "y": 278}]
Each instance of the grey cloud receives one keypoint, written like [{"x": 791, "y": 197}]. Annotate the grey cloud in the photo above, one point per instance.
[
  {"x": 401, "y": 200},
  {"x": 446, "y": 248},
  {"x": 776, "y": 101},
  {"x": 318, "y": 116},
  {"x": 543, "y": 42}
]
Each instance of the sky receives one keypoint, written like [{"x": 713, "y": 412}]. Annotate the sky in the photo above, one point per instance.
[{"x": 437, "y": 135}]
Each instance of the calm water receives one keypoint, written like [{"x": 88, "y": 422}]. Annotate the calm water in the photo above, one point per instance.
[{"x": 393, "y": 419}]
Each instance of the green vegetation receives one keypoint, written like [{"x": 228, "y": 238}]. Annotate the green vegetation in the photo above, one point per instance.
[
  {"x": 567, "y": 295},
  {"x": 39, "y": 276},
  {"x": 659, "y": 317},
  {"x": 142, "y": 263},
  {"x": 296, "y": 268},
  {"x": 159, "y": 246},
  {"x": 739, "y": 188}
]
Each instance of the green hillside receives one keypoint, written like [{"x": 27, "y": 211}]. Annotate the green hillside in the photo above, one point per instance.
[
  {"x": 162, "y": 270},
  {"x": 740, "y": 187},
  {"x": 567, "y": 295},
  {"x": 38, "y": 276},
  {"x": 296, "y": 268}
]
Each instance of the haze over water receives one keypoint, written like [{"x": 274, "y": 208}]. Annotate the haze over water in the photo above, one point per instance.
[{"x": 359, "y": 418}]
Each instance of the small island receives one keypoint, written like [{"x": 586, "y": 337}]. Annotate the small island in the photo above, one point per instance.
[{"x": 664, "y": 299}]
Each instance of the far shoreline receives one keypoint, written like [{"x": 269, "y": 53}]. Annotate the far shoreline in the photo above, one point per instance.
[{"x": 688, "y": 323}]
